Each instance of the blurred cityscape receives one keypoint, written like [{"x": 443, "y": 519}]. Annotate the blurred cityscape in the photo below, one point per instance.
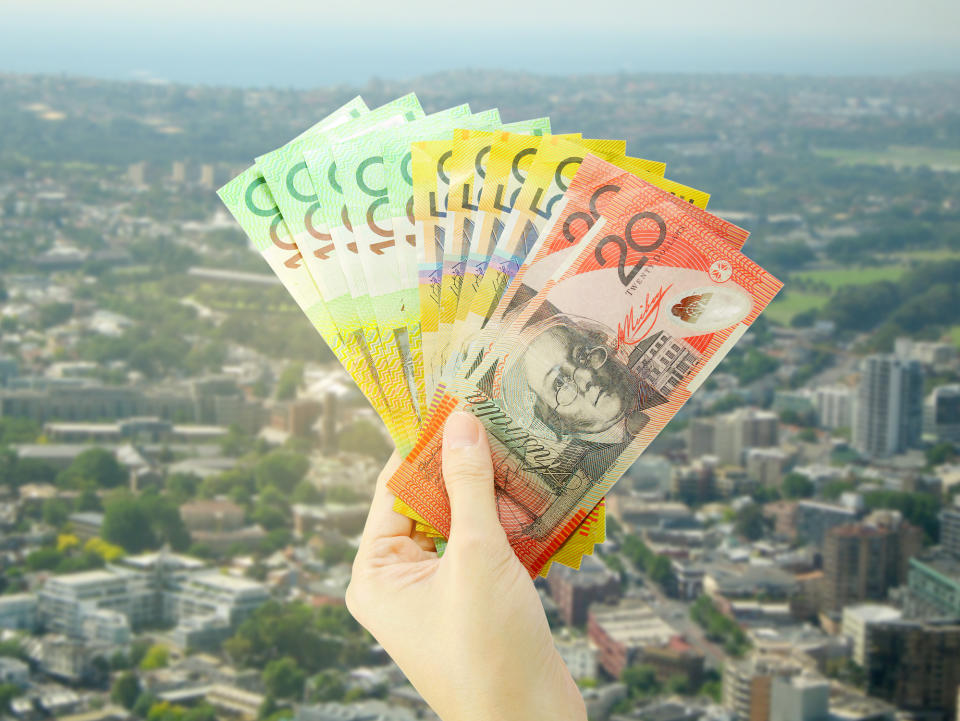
[{"x": 185, "y": 471}]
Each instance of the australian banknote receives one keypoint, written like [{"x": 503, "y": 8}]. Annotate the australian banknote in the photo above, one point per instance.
[{"x": 592, "y": 368}]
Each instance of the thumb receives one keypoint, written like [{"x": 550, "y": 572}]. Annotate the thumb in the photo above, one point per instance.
[{"x": 468, "y": 476}]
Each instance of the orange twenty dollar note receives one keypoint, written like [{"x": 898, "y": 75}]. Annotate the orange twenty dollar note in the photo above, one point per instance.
[{"x": 589, "y": 371}]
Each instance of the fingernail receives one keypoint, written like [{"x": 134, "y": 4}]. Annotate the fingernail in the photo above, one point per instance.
[{"x": 462, "y": 430}]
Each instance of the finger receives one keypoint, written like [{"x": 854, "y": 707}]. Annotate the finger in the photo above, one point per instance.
[
  {"x": 424, "y": 541},
  {"x": 468, "y": 476},
  {"x": 383, "y": 521}
]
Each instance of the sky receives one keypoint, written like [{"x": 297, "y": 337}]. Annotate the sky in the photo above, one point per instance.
[{"x": 310, "y": 43}]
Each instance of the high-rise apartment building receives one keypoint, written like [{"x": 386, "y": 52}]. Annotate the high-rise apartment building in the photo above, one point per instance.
[
  {"x": 889, "y": 406},
  {"x": 862, "y": 561},
  {"x": 941, "y": 414},
  {"x": 916, "y": 665}
]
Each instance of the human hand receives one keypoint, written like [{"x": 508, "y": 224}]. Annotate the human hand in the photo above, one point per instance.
[{"x": 468, "y": 629}]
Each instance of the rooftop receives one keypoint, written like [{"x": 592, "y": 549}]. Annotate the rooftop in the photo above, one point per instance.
[{"x": 870, "y": 612}]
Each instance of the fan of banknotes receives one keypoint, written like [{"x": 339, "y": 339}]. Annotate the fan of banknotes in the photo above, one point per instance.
[{"x": 567, "y": 294}]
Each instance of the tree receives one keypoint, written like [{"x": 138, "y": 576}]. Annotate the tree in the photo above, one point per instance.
[
  {"x": 327, "y": 686},
  {"x": 8, "y": 692},
  {"x": 138, "y": 649},
  {"x": 182, "y": 487},
  {"x": 364, "y": 437},
  {"x": 165, "y": 519},
  {"x": 107, "y": 551},
  {"x": 12, "y": 649},
  {"x": 283, "y": 678},
  {"x": 281, "y": 469},
  {"x": 127, "y": 524},
  {"x": 95, "y": 465},
  {"x": 44, "y": 559},
  {"x": 661, "y": 571},
  {"x": 156, "y": 657},
  {"x": 749, "y": 523},
  {"x": 119, "y": 661},
  {"x": 290, "y": 379},
  {"x": 940, "y": 453},
  {"x": 145, "y": 701},
  {"x": 56, "y": 511},
  {"x": 796, "y": 485},
  {"x": 306, "y": 492},
  {"x": 126, "y": 690},
  {"x": 315, "y": 638},
  {"x": 641, "y": 680}
]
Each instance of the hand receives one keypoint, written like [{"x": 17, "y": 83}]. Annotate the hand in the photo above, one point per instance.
[{"x": 468, "y": 629}]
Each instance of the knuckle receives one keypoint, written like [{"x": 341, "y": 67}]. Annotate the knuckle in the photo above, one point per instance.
[{"x": 468, "y": 467}]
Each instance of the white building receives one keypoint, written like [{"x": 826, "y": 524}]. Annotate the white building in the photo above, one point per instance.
[
  {"x": 579, "y": 655},
  {"x": 211, "y": 594},
  {"x": 104, "y": 605},
  {"x": 18, "y": 611},
  {"x": 14, "y": 671},
  {"x": 856, "y": 626},
  {"x": 106, "y": 626},
  {"x": 834, "y": 406},
  {"x": 799, "y": 698},
  {"x": 65, "y": 600},
  {"x": 765, "y": 465}
]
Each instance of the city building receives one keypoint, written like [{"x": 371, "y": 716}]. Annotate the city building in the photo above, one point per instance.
[
  {"x": 90, "y": 402},
  {"x": 574, "y": 590},
  {"x": 915, "y": 665},
  {"x": 139, "y": 430},
  {"x": 621, "y": 632},
  {"x": 676, "y": 658},
  {"x": 18, "y": 612},
  {"x": 812, "y": 520},
  {"x": 210, "y": 594},
  {"x": 14, "y": 671},
  {"x": 799, "y": 698},
  {"x": 148, "y": 590},
  {"x": 834, "y": 406},
  {"x": 889, "y": 406},
  {"x": 694, "y": 483},
  {"x": 941, "y": 414},
  {"x": 748, "y": 581},
  {"x": 857, "y": 622},
  {"x": 579, "y": 655},
  {"x": 638, "y": 513},
  {"x": 862, "y": 561},
  {"x": 701, "y": 435},
  {"x": 747, "y": 685},
  {"x": 106, "y": 626},
  {"x": 64, "y": 600},
  {"x": 729, "y": 436},
  {"x": 933, "y": 587},
  {"x": 747, "y": 428},
  {"x": 688, "y": 576},
  {"x": 212, "y": 515},
  {"x": 766, "y": 466},
  {"x": 950, "y": 528},
  {"x": 86, "y": 524}
]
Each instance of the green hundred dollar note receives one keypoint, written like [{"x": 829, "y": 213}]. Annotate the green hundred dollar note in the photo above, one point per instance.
[
  {"x": 286, "y": 172},
  {"x": 391, "y": 353},
  {"x": 361, "y": 173},
  {"x": 249, "y": 200}
]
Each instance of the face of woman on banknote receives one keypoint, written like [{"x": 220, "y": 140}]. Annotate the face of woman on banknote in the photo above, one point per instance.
[{"x": 580, "y": 386}]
